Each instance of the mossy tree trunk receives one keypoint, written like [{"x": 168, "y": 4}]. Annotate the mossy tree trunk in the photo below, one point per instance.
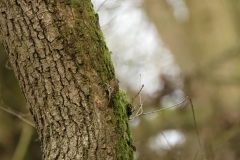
[{"x": 62, "y": 64}]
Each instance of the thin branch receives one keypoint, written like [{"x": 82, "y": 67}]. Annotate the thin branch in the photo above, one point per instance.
[
  {"x": 159, "y": 110},
  {"x": 112, "y": 8},
  {"x": 17, "y": 115},
  {"x": 137, "y": 94},
  {"x": 140, "y": 98},
  {"x": 108, "y": 22},
  {"x": 101, "y": 5},
  {"x": 195, "y": 123},
  {"x": 168, "y": 143},
  {"x": 140, "y": 109},
  {"x": 138, "y": 113}
]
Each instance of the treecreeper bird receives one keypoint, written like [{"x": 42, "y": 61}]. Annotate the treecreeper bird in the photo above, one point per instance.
[{"x": 112, "y": 88}]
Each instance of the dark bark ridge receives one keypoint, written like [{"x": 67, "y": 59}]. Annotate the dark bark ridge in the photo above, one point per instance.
[{"x": 62, "y": 63}]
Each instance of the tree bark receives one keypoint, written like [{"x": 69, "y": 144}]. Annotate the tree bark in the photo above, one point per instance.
[{"x": 63, "y": 66}]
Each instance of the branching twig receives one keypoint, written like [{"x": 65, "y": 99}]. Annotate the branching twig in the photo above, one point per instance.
[
  {"x": 140, "y": 109},
  {"x": 159, "y": 110},
  {"x": 17, "y": 115},
  {"x": 108, "y": 22},
  {"x": 137, "y": 94},
  {"x": 140, "y": 112},
  {"x": 195, "y": 123},
  {"x": 169, "y": 145},
  {"x": 101, "y": 5},
  {"x": 133, "y": 109}
]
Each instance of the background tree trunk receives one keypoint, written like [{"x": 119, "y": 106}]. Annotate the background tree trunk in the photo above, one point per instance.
[{"x": 63, "y": 66}]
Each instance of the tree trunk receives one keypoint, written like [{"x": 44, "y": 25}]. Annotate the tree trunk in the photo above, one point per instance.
[{"x": 63, "y": 66}]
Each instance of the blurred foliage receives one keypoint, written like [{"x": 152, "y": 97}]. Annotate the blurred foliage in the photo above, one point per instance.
[
  {"x": 16, "y": 137},
  {"x": 203, "y": 36}
]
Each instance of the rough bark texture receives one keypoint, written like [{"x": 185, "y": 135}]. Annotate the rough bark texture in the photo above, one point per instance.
[{"x": 63, "y": 66}]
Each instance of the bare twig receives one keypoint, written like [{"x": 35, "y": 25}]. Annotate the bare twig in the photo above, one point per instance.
[
  {"x": 108, "y": 22},
  {"x": 17, "y": 115},
  {"x": 101, "y": 5},
  {"x": 138, "y": 113},
  {"x": 168, "y": 143},
  {"x": 112, "y": 8},
  {"x": 140, "y": 98},
  {"x": 159, "y": 110},
  {"x": 140, "y": 108},
  {"x": 137, "y": 94},
  {"x": 195, "y": 123},
  {"x": 133, "y": 109}
]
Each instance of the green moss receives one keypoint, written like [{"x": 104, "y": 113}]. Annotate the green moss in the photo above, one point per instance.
[
  {"x": 123, "y": 140},
  {"x": 91, "y": 30},
  {"x": 90, "y": 33},
  {"x": 75, "y": 4}
]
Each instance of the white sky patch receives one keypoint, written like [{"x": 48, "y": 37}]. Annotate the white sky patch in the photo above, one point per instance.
[
  {"x": 170, "y": 138},
  {"x": 166, "y": 140},
  {"x": 135, "y": 44}
]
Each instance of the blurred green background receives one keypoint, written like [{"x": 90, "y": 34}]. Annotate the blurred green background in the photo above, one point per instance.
[
  {"x": 180, "y": 48},
  {"x": 18, "y": 140}
]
